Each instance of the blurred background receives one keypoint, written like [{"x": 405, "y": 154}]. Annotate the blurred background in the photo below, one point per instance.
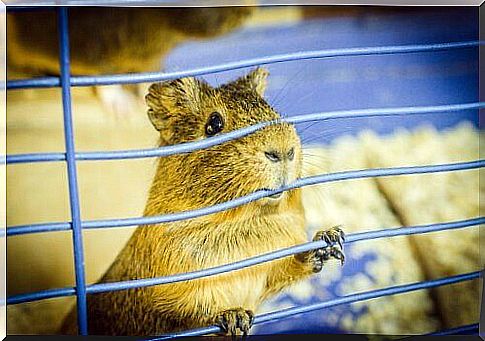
[{"x": 38, "y": 192}]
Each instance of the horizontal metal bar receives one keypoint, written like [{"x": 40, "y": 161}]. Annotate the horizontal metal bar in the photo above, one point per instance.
[
  {"x": 46, "y": 82},
  {"x": 216, "y": 140},
  {"x": 190, "y": 214},
  {"x": 351, "y": 238},
  {"x": 36, "y": 157},
  {"x": 458, "y": 330},
  {"x": 40, "y": 295},
  {"x": 281, "y": 254},
  {"x": 347, "y": 299},
  {"x": 38, "y": 228}
]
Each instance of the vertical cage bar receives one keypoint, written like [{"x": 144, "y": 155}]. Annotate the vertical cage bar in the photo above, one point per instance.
[{"x": 71, "y": 170}]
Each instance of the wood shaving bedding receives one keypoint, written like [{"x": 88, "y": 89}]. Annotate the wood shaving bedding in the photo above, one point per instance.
[
  {"x": 434, "y": 198},
  {"x": 359, "y": 206}
]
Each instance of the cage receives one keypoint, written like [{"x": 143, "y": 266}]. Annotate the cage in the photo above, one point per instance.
[{"x": 343, "y": 74}]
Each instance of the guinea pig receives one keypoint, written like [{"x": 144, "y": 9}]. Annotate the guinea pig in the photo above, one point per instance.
[{"x": 185, "y": 110}]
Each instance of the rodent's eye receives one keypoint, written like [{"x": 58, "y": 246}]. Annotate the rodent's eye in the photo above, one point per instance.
[{"x": 214, "y": 125}]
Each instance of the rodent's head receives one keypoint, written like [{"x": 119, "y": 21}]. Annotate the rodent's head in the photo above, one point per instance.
[{"x": 189, "y": 109}]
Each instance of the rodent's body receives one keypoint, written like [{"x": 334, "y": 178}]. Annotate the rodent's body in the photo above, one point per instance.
[
  {"x": 267, "y": 159},
  {"x": 195, "y": 303},
  {"x": 111, "y": 39}
]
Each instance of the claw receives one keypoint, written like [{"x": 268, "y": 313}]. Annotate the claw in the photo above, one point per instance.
[
  {"x": 233, "y": 319},
  {"x": 319, "y": 252},
  {"x": 333, "y": 236},
  {"x": 336, "y": 253}
]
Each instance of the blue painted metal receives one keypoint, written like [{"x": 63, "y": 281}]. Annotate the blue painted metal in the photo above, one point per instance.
[
  {"x": 302, "y": 87},
  {"x": 45, "y": 82},
  {"x": 352, "y": 238},
  {"x": 312, "y": 180},
  {"x": 41, "y": 295},
  {"x": 285, "y": 313},
  {"x": 445, "y": 54},
  {"x": 216, "y": 140},
  {"x": 71, "y": 171}
]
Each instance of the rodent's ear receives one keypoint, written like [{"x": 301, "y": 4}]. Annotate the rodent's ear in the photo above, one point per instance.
[
  {"x": 256, "y": 80},
  {"x": 167, "y": 99}
]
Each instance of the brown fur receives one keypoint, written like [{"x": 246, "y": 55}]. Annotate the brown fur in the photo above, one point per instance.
[
  {"x": 180, "y": 109},
  {"x": 111, "y": 39}
]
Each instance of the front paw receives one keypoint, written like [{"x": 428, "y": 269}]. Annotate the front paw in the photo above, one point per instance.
[
  {"x": 233, "y": 319},
  {"x": 334, "y": 237}
]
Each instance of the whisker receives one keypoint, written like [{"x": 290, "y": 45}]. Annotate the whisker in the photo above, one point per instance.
[
  {"x": 291, "y": 79},
  {"x": 293, "y": 104},
  {"x": 327, "y": 135}
]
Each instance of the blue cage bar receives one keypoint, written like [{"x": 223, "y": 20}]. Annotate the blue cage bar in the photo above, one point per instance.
[{"x": 65, "y": 81}]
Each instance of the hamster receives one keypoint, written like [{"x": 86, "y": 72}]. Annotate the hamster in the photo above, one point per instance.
[
  {"x": 189, "y": 109},
  {"x": 112, "y": 40}
]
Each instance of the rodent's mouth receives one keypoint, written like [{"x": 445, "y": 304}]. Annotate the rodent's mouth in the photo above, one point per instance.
[{"x": 275, "y": 196}]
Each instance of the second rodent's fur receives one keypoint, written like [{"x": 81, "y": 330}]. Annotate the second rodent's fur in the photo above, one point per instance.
[
  {"x": 267, "y": 159},
  {"x": 112, "y": 39}
]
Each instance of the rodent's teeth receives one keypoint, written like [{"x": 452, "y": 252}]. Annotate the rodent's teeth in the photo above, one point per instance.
[
  {"x": 273, "y": 196},
  {"x": 276, "y": 196}
]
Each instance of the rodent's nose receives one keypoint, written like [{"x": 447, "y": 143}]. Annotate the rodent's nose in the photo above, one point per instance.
[{"x": 276, "y": 156}]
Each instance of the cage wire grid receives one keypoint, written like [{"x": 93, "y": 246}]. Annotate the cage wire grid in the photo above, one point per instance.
[{"x": 71, "y": 157}]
